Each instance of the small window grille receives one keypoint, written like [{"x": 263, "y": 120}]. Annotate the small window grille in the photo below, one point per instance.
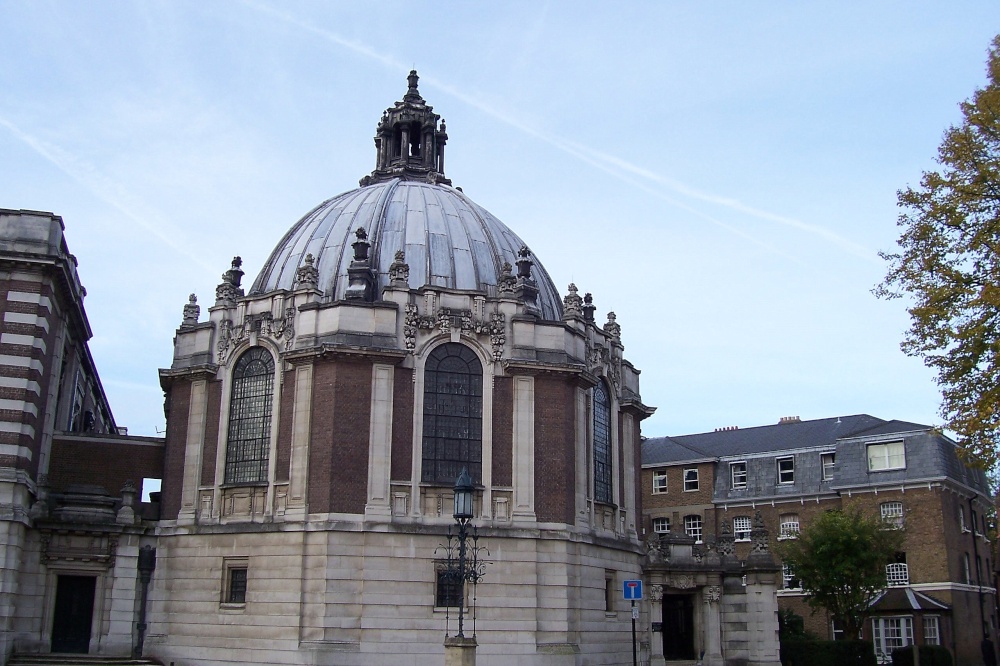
[
  {"x": 661, "y": 525},
  {"x": 788, "y": 527},
  {"x": 897, "y": 574},
  {"x": 892, "y": 513},
  {"x": 692, "y": 527}
]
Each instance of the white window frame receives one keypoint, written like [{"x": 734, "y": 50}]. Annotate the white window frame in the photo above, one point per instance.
[
  {"x": 738, "y": 475},
  {"x": 932, "y": 630},
  {"x": 828, "y": 462},
  {"x": 967, "y": 568},
  {"x": 887, "y": 456},
  {"x": 691, "y": 484},
  {"x": 785, "y": 526},
  {"x": 892, "y": 513},
  {"x": 659, "y": 481},
  {"x": 694, "y": 530},
  {"x": 788, "y": 577},
  {"x": 742, "y": 533},
  {"x": 661, "y": 521},
  {"x": 961, "y": 519},
  {"x": 901, "y": 627},
  {"x": 897, "y": 574},
  {"x": 783, "y": 473}
]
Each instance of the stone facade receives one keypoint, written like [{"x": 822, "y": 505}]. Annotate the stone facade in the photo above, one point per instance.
[{"x": 791, "y": 472}]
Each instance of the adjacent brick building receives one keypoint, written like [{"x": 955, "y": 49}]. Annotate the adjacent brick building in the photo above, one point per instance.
[{"x": 939, "y": 591}]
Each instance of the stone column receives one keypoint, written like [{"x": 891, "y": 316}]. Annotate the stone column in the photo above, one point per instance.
[
  {"x": 380, "y": 442},
  {"x": 301, "y": 418},
  {"x": 656, "y": 615},
  {"x": 192, "y": 453},
  {"x": 524, "y": 449},
  {"x": 713, "y": 626},
  {"x": 123, "y": 579},
  {"x": 459, "y": 651}
]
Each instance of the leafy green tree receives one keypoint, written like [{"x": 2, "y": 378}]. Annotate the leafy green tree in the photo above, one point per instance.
[
  {"x": 948, "y": 262},
  {"x": 840, "y": 560}
]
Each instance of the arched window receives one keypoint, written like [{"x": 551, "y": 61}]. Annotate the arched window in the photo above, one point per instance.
[
  {"x": 250, "y": 417},
  {"x": 453, "y": 415},
  {"x": 602, "y": 445}
]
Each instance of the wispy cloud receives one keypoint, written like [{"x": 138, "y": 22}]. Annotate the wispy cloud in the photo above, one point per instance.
[
  {"x": 108, "y": 190},
  {"x": 631, "y": 173}
]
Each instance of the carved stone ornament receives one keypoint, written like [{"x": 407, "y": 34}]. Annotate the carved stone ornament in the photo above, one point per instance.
[
  {"x": 681, "y": 581},
  {"x": 656, "y": 592},
  {"x": 399, "y": 270},
  {"x": 229, "y": 290},
  {"x": 758, "y": 535},
  {"x": 572, "y": 303},
  {"x": 191, "y": 311},
  {"x": 725, "y": 544},
  {"x": 280, "y": 331},
  {"x": 713, "y": 593},
  {"x": 449, "y": 319},
  {"x": 612, "y": 327},
  {"x": 506, "y": 282},
  {"x": 307, "y": 275},
  {"x": 657, "y": 552}
]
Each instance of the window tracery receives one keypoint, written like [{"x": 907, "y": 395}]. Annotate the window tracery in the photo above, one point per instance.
[{"x": 249, "y": 439}]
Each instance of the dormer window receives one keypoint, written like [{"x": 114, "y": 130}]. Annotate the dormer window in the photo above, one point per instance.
[{"x": 881, "y": 457}]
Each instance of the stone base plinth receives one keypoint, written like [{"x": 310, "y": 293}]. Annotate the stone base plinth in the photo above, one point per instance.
[{"x": 459, "y": 651}]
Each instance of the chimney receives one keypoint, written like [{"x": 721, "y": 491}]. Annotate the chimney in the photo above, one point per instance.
[
  {"x": 727, "y": 429},
  {"x": 789, "y": 419}
]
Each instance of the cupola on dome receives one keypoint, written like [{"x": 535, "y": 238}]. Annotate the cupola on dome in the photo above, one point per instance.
[{"x": 406, "y": 205}]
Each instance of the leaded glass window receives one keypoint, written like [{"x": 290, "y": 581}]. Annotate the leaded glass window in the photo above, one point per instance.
[
  {"x": 249, "y": 437},
  {"x": 453, "y": 415},
  {"x": 602, "y": 445}
]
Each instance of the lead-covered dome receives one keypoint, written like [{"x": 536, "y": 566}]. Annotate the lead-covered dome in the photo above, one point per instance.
[{"x": 406, "y": 205}]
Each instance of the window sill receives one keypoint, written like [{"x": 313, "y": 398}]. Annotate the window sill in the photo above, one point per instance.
[
  {"x": 690, "y": 490},
  {"x": 738, "y": 488},
  {"x": 787, "y": 536},
  {"x": 747, "y": 540},
  {"x": 230, "y": 607}
]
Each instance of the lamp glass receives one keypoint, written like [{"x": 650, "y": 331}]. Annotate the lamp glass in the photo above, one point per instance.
[{"x": 463, "y": 495}]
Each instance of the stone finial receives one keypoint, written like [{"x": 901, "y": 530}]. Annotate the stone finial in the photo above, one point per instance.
[
  {"x": 758, "y": 535},
  {"x": 572, "y": 303},
  {"x": 307, "y": 275},
  {"x": 229, "y": 289},
  {"x": 361, "y": 246},
  {"x": 588, "y": 307},
  {"x": 506, "y": 282},
  {"x": 612, "y": 327},
  {"x": 361, "y": 285},
  {"x": 126, "y": 514},
  {"x": 399, "y": 271},
  {"x": 191, "y": 311},
  {"x": 725, "y": 543},
  {"x": 524, "y": 263}
]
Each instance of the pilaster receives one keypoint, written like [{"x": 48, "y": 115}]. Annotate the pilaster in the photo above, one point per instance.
[{"x": 380, "y": 442}]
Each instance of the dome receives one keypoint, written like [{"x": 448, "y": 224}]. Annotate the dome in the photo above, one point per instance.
[{"x": 405, "y": 204}]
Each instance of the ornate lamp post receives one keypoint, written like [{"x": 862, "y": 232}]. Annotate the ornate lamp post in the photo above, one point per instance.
[
  {"x": 464, "y": 566},
  {"x": 462, "y": 515}
]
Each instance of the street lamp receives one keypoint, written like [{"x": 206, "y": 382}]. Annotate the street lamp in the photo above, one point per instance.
[{"x": 462, "y": 514}]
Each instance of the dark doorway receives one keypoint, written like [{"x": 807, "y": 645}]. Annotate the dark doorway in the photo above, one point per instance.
[
  {"x": 73, "y": 614},
  {"x": 678, "y": 626}
]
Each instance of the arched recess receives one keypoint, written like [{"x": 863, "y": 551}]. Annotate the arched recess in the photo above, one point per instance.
[
  {"x": 603, "y": 445},
  {"x": 452, "y": 415},
  {"x": 248, "y": 435},
  {"x": 465, "y": 355}
]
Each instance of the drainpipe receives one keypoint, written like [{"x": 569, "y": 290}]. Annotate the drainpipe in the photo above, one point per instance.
[{"x": 147, "y": 563}]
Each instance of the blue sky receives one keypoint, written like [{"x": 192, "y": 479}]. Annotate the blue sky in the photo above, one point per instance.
[{"x": 721, "y": 175}]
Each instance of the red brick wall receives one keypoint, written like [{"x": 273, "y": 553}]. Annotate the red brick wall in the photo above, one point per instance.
[
  {"x": 402, "y": 424},
  {"x": 286, "y": 394},
  {"x": 211, "y": 447},
  {"x": 31, "y": 352},
  {"x": 179, "y": 400},
  {"x": 503, "y": 430},
  {"x": 338, "y": 452},
  {"x": 555, "y": 471},
  {"x": 108, "y": 464}
]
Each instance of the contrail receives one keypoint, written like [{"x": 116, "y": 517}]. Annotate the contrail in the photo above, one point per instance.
[
  {"x": 105, "y": 189},
  {"x": 608, "y": 163}
]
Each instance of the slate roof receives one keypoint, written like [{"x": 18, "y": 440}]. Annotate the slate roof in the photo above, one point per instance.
[{"x": 765, "y": 439}]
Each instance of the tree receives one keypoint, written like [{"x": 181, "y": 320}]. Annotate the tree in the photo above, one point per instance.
[
  {"x": 948, "y": 261},
  {"x": 840, "y": 560}
]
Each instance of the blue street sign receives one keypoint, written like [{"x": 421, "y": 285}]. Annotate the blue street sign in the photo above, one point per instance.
[{"x": 632, "y": 590}]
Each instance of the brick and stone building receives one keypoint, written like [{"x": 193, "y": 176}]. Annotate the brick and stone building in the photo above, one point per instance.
[
  {"x": 706, "y": 487},
  {"x": 70, "y": 535}
]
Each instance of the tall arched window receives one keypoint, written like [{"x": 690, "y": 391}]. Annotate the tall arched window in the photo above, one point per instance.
[
  {"x": 602, "y": 445},
  {"x": 250, "y": 417},
  {"x": 453, "y": 415}
]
